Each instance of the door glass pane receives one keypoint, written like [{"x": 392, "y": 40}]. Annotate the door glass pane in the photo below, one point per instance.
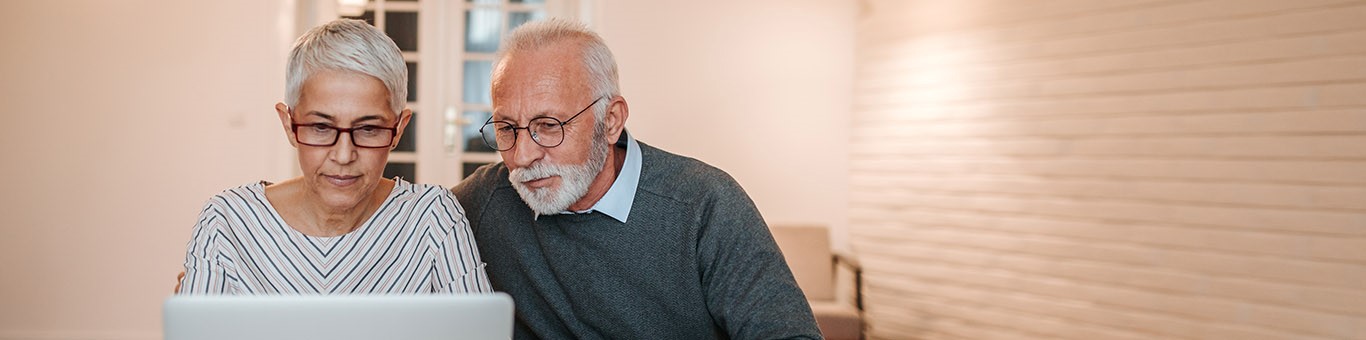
[
  {"x": 412, "y": 81},
  {"x": 401, "y": 169},
  {"x": 481, "y": 30},
  {"x": 402, "y": 27},
  {"x": 476, "y": 83},
  {"x": 408, "y": 141},
  {"x": 474, "y": 142},
  {"x": 368, "y": 17},
  {"x": 518, "y": 18}
]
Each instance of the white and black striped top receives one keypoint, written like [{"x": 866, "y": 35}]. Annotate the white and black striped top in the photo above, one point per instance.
[{"x": 418, "y": 241}]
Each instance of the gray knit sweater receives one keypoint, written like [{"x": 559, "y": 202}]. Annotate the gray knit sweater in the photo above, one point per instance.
[{"x": 694, "y": 261}]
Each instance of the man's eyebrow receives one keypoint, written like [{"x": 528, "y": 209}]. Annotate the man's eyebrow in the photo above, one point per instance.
[{"x": 497, "y": 117}]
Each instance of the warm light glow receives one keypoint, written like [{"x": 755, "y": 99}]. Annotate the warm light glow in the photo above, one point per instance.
[{"x": 350, "y": 8}]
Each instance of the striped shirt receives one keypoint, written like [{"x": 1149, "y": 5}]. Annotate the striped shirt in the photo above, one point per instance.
[{"x": 418, "y": 241}]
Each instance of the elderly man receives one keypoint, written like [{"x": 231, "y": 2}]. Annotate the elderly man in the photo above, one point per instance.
[{"x": 597, "y": 235}]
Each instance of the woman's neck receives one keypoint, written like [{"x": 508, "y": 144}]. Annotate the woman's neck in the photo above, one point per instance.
[
  {"x": 310, "y": 216},
  {"x": 328, "y": 221}
]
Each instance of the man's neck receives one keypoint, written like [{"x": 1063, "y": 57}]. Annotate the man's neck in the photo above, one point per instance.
[{"x": 616, "y": 157}]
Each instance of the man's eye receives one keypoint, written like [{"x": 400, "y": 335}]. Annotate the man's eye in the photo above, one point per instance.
[
  {"x": 546, "y": 124},
  {"x": 505, "y": 128}
]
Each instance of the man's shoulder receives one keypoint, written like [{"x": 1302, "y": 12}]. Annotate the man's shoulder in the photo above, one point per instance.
[
  {"x": 485, "y": 177},
  {"x": 670, "y": 174},
  {"x": 481, "y": 183}
]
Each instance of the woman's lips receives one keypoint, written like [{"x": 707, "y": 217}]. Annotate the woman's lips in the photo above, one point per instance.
[{"x": 342, "y": 181}]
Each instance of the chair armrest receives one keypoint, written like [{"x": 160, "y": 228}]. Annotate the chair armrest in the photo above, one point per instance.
[{"x": 850, "y": 261}]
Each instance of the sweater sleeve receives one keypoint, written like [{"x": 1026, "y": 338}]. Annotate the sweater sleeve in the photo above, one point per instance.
[
  {"x": 749, "y": 288},
  {"x": 207, "y": 270}
]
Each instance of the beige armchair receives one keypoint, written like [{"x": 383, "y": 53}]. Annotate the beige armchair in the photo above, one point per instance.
[{"x": 831, "y": 281}]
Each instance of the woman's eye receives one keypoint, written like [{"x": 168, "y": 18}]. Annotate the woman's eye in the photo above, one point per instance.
[{"x": 321, "y": 128}]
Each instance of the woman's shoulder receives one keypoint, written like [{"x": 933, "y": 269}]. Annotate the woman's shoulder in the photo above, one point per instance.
[
  {"x": 233, "y": 207},
  {"x": 246, "y": 193},
  {"x": 419, "y": 191},
  {"x": 426, "y": 198}
]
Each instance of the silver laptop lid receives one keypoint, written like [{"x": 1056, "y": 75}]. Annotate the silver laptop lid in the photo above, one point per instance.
[{"x": 357, "y": 317}]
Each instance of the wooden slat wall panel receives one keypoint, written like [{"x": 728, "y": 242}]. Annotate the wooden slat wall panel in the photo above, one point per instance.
[{"x": 1076, "y": 169}]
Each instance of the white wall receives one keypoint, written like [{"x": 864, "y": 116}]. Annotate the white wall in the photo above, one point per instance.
[
  {"x": 121, "y": 118},
  {"x": 758, "y": 88}
]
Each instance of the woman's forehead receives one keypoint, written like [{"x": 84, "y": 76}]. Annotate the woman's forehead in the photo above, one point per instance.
[{"x": 344, "y": 96}]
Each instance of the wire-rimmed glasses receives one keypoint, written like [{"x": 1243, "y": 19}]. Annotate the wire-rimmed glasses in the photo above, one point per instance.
[{"x": 545, "y": 131}]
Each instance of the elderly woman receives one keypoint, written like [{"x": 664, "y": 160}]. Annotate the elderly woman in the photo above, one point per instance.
[{"x": 340, "y": 228}]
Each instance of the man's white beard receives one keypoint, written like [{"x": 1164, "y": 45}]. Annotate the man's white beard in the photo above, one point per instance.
[{"x": 574, "y": 180}]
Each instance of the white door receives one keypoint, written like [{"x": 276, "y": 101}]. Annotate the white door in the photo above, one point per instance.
[{"x": 449, "y": 47}]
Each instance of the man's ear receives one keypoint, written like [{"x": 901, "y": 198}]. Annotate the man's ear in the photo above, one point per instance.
[
  {"x": 285, "y": 122},
  {"x": 403, "y": 118},
  {"x": 617, "y": 112}
]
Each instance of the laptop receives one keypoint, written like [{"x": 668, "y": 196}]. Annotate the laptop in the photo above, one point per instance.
[{"x": 355, "y": 317}]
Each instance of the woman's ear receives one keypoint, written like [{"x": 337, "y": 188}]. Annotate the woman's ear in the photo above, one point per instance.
[
  {"x": 403, "y": 118},
  {"x": 285, "y": 122}
]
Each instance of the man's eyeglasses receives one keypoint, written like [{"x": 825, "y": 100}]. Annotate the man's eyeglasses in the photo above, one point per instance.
[
  {"x": 365, "y": 136},
  {"x": 545, "y": 131}
]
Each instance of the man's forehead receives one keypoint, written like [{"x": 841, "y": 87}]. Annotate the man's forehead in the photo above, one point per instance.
[
  {"x": 540, "y": 67},
  {"x": 521, "y": 108},
  {"x": 544, "y": 97}
]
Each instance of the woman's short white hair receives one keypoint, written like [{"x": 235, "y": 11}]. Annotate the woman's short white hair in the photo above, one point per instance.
[
  {"x": 597, "y": 58},
  {"x": 347, "y": 45}
]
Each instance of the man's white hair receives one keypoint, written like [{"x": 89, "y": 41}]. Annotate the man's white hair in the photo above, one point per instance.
[
  {"x": 597, "y": 58},
  {"x": 347, "y": 45}
]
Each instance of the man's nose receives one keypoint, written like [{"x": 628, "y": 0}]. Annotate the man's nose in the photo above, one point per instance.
[{"x": 523, "y": 152}]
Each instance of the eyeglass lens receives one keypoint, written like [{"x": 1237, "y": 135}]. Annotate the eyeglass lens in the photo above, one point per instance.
[{"x": 326, "y": 135}]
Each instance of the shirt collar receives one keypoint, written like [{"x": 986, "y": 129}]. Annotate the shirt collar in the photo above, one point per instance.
[
  {"x": 618, "y": 199},
  {"x": 616, "y": 203}
]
